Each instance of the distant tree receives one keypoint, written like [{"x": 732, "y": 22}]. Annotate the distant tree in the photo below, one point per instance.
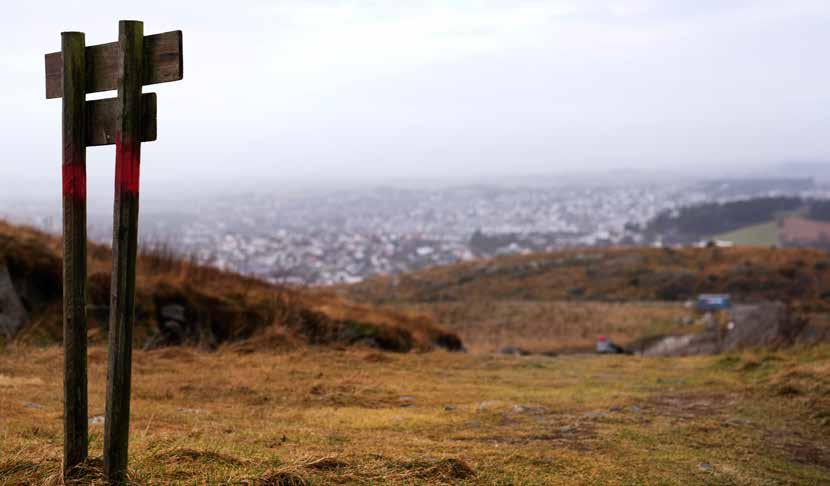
[
  {"x": 820, "y": 210},
  {"x": 694, "y": 223}
]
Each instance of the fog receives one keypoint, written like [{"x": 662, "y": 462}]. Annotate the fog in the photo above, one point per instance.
[{"x": 288, "y": 94}]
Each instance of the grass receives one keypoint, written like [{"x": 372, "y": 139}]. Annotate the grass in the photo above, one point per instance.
[
  {"x": 764, "y": 234},
  {"x": 561, "y": 301},
  {"x": 321, "y": 416},
  {"x": 219, "y": 306},
  {"x": 551, "y": 326},
  {"x": 794, "y": 275}
]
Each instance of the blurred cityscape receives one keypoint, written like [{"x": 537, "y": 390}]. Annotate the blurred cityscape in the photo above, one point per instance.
[{"x": 343, "y": 236}]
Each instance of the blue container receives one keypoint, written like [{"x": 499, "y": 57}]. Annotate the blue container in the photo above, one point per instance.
[{"x": 713, "y": 302}]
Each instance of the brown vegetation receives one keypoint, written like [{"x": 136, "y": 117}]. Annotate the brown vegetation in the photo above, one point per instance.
[
  {"x": 328, "y": 416},
  {"x": 800, "y": 231},
  {"x": 561, "y": 301},
  {"x": 551, "y": 326},
  {"x": 219, "y": 306},
  {"x": 799, "y": 276}
]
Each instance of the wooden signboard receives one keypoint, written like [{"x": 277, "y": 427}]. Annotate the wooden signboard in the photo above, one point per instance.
[{"x": 125, "y": 121}]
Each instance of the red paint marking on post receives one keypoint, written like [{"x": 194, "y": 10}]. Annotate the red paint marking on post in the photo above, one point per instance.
[
  {"x": 127, "y": 164},
  {"x": 74, "y": 181}
]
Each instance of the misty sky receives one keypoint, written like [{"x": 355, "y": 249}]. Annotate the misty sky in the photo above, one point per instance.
[{"x": 291, "y": 91}]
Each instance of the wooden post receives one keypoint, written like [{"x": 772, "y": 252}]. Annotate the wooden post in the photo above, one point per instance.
[
  {"x": 124, "y": 248},
  {"x": 75, "y": 439},
  {"x": 127, "y": 121}
]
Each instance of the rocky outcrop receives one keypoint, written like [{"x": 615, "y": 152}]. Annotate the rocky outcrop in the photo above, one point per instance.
[
  {"x": 13, "y": 315},
  {"x": 767, "y": 324}
]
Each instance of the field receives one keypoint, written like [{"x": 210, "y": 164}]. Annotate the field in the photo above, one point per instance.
[
  {"x": 795, "y": 275},
  {"x": 320, "y": 415},
  {"x": 540, "y": 326},
  {"x": 765, "y": 234}
]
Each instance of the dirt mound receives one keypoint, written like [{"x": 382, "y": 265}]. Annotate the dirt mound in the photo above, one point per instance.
[{"x": 182, "y": 303}]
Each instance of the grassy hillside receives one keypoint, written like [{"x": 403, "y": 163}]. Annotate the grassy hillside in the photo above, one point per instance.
[
  {"x": 219, "y": 307},
  {"x": 561, "y": 301},
  {"x": 764, "y": 234},
  {"x": 362, "y": 417},
  {"x": 552, "y": 326},
  {"x": 799, "y": 276},
  {"x": 693, "y": 223}
]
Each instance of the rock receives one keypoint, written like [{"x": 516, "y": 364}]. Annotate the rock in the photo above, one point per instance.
[
  {"x": 765, "y": 324},
  {"x": 705, "y": 467},
  {"x": 567, "y": 429},
  {"x": 33, "y": 405},
  {"x": 635, "y": 409},
  {"x": 13, "y": 315},
  {"x": 192, "y": 410},
  {"x": 173, "y": 312},
  {"x": 528, "y": 409},
  {"x": 595, "y": 415},
  {"x": 690, "y": 344},
  {"x": 173, "y": 328},
  {"x": 407, "y": 401},
  {"x": 487, "y": 405},
  {"x": 736, "y": 422},
  {"x": 757, "y": 325},
  {"x": 514, "y": 351}
]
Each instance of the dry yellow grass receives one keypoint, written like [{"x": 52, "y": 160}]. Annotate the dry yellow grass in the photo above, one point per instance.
[
  {"x": 551, "y": 326},
  {"x": 797, "y": 275},
  {"x": 220, "y": 306},
  {"x": 321, "y": 416}
]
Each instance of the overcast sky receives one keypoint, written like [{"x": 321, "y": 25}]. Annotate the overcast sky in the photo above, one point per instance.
[{"x": 301, "y": 90}]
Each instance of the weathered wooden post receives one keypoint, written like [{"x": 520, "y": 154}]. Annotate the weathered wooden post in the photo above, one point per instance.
[
  {"x": 73, "y": 79},
  {"x": 126, "y": 121},
  {"x": 124, "y": 249}
]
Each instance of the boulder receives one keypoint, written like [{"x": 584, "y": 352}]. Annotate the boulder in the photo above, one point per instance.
[
  {"x": 13, "y": 315},
  {"x": 764, "y": 324},
  {"x": 514, "y": 351},
  {"x": 173, "y": 328},
  {"x": 173, "y": 312}
]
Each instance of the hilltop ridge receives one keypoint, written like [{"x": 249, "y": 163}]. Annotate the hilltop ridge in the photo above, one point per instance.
[
  {"x": 800, "y": 276},
  {"x": 181, "y": 302},
  {"x": 562, "y": 301}
]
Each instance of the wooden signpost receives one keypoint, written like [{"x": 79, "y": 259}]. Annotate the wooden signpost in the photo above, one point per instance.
[{"x": 126, "y": 121}]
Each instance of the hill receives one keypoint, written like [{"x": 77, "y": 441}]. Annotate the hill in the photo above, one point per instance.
[
  {"x": 764, "y": 234},
  {"x": 695, "y": 223},
  {"x": 180, "y": 302},
  {"x": 799, "y": 276},
  {"x": 561, "y": 301}
]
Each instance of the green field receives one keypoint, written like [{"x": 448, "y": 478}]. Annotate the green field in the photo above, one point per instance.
[{"x": 764, "y": 234}]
